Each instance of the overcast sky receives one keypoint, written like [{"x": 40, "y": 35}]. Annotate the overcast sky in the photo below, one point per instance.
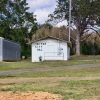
[{"x": 42, "y": 8}]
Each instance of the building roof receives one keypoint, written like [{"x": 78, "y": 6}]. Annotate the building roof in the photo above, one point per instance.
[
  {"x": 11, "y": 41},
  {"x": 51, "y": 38},
  {"x": 1, "y": 38}
]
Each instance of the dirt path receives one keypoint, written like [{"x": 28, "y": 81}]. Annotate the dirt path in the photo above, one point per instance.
[
  {"x": 20, "y": 71},
  {"x": 29, "y": 96},
  {"x": 20, "y": 80}
]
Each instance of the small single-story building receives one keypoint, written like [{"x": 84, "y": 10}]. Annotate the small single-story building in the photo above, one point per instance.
[
  {"x": 9, "y": 51},
  {"x": 50, "y": 48}
]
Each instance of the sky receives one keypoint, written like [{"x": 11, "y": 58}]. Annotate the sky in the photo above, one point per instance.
[{"x": 41, "y": 8}]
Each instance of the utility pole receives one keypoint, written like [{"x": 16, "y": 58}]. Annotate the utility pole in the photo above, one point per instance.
[{"x": 70, "y": 8}]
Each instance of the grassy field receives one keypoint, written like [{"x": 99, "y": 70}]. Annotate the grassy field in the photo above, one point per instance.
[
  {"x": 69, "y": 89},
  {"x": 28, "y": 64}
]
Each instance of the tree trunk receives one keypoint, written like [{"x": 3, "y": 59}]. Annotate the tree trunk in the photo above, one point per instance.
[{"x": 78, "y": 45}]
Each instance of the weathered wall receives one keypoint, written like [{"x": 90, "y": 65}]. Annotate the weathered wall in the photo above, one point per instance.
[{"x": 50, "y": 49}]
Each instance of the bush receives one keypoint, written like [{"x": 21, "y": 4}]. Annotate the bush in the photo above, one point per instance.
[
  {"x": 90, "y": 49},
  {"x": 26, "y": 51}
]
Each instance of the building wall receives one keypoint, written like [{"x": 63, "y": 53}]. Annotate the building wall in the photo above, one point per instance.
[
  {"x": 11, "y": 51},
  {"x": 49, "y": 49},
  {"x": 1, "y": 48}
]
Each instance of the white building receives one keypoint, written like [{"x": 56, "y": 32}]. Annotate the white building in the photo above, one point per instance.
[{"x": 50, "y": 48}]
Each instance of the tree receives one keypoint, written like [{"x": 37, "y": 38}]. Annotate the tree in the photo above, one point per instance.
[
  {"x": 14, "y": 16},
  {"x": 16, "y": 23},
  {"x": 85, "y": 15}
]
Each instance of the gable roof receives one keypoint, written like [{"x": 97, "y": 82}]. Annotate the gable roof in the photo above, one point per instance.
[
  {"x": 49, "y": 37},
  {"x": 69, "y": 43}
]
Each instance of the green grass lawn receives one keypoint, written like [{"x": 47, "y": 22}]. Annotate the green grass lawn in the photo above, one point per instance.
[
  {"x": 68, "y": 72},
  {"x": 70, "y": 90},
  {"x": 28, "y": 64}
]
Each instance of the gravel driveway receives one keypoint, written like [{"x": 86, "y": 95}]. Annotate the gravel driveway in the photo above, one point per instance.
[{"x": 20, "y": 71}]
